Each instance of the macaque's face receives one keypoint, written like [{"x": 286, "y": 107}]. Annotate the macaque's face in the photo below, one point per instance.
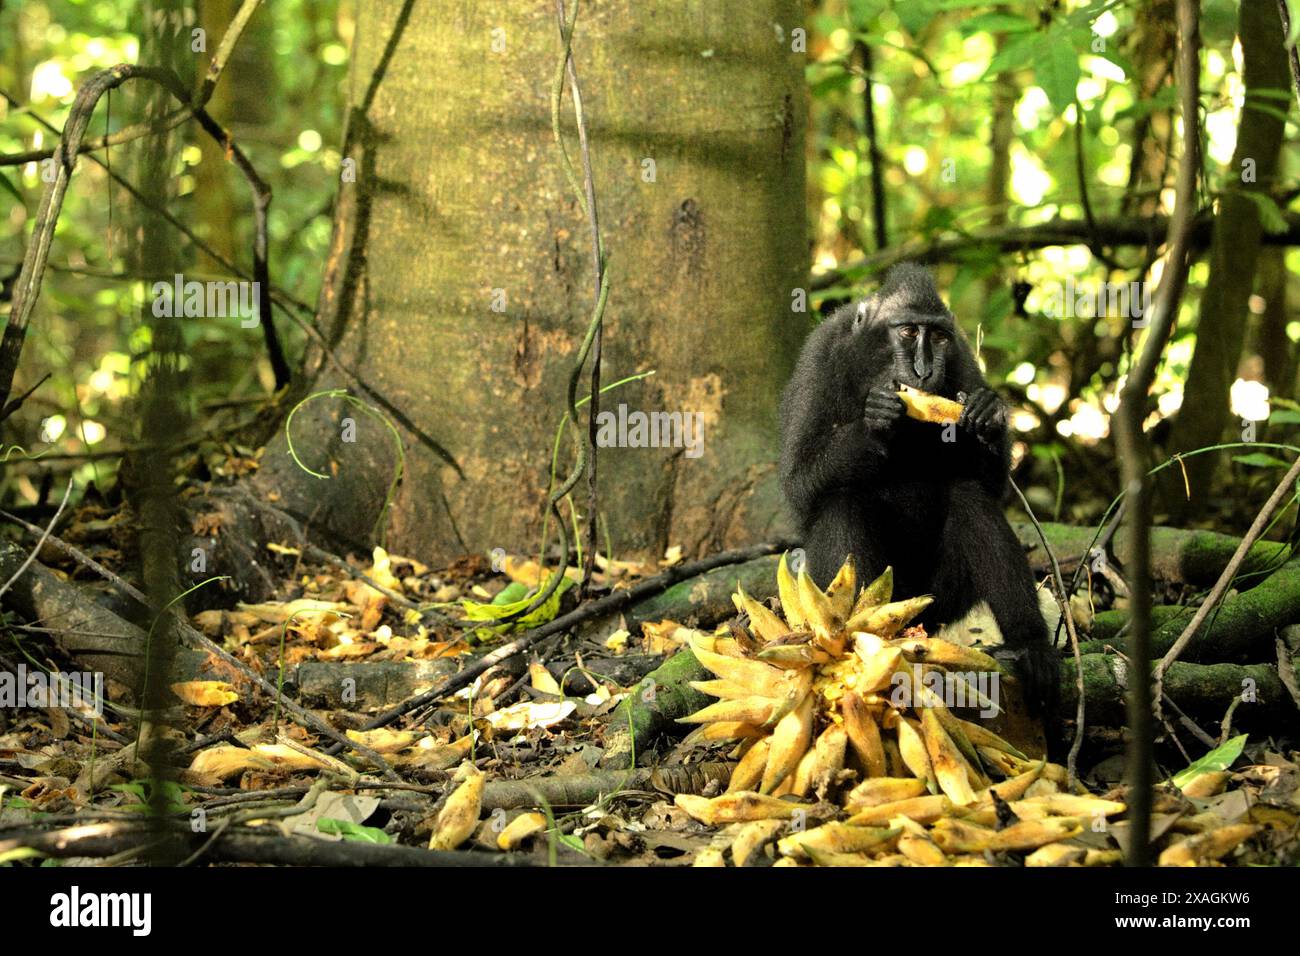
[
  {"x": 873, "y": 344},
  {"x": 922, "y": 345}
]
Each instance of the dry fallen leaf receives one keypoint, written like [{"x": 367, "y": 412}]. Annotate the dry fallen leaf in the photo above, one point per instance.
[
  {"x": 540, "y": 679},
  {"x": 226, "y": 760},
  {"x": 383, "y": 740},
  {"x": 663, "y": 637},
  {"x": 527, "y": 714},
  {"x": 205, "y": 693},
  {"x": 302, "y": 610}
]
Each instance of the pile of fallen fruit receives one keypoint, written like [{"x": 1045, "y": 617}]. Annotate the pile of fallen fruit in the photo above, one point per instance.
[{"x": 851, "y": 755}]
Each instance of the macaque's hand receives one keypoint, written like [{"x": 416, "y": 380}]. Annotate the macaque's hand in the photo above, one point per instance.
[
  {"x": 984, "y": 415},
  {"x": 882, "y": 410}
]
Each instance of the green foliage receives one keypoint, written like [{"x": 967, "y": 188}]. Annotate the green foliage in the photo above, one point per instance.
[
  {"x": 173, "y": 795},
  {"x": 1069, "y": 76},
  {"x": 285, "y": 104},
  {"x": 496, "y": 610},
  {"x": 1220, "y": 758},
  {"x": 353, "y": 831},
  {"x": 1259, "y": 459}
]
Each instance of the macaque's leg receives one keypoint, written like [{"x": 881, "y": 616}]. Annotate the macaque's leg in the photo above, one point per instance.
[
  {"x": 980, "y": 558},
  {"x": 841, "y": 528}
]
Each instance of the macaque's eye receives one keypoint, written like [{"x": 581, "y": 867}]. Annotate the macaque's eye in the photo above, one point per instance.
[
  {"x": 908, "y": 331},
  {"x": 940, "y": 336}
]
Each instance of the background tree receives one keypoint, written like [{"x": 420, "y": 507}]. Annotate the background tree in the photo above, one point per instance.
[{"x": 458, "y": 283}]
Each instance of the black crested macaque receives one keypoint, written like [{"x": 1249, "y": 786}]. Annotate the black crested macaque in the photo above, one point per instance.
[{"x": 863, "y": 479}]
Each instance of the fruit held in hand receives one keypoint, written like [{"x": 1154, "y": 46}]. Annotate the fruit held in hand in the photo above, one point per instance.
[{"x": 925, "y": 407}]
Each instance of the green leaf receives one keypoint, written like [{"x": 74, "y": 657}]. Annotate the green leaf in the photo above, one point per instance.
[
  {"x": 998, "y": 306},
  {"x": 511, "y": 593},
  {"x": 10, "y": 188},
  {"x": 832, "y": 83},
  {"x": 478, "y": 611},
  {"x": 1272, "y": 93},
  {"x": 1267, "y": 109},
  {"x": 1283, "y": 417},
  {"x": 862, "y": 12},
  {"x": 937, "y": 219},
  {"x": 957, "y": 4},
  {"x": 353, "y": 831},
  {"x": 995, "y": 23},
  {"x": 19, "y": 853},
  {"x": 1271, "y": 219},
  {"x": 1057, "y": 70},
  {"x": 1019, "y": 51},
  {"x": 1085, "y": 16},
  {"x": 834, "y": 292},
  {"x": 1260, "y": 459},
  {"x": 1220, "y": 758},
  {"x": 135, "y": 788},
  {"x": 914, "y": 15}
]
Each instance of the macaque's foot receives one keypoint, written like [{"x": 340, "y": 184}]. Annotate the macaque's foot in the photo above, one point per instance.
[{"x": 1038, "y": 669}]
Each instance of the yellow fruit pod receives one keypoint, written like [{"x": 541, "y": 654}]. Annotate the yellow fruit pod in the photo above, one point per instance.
[{"x": 925, "y": 407}]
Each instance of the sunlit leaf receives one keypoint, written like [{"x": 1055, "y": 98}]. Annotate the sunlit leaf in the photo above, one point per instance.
[
  {"x": 1057, "y": 70},
  {"x": 1220, "y": 758}
]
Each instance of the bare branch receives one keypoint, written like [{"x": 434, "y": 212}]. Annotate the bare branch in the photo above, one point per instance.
[{"x": 1133, "y": 448}]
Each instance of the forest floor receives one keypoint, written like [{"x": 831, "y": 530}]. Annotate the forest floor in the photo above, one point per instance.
[{"x": 520, "y": 766}]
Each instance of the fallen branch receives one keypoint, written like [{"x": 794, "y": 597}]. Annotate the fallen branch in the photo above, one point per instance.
[
  {"x": 1257, "y": 528},
  {"x": 653, "y": 708},
  {"x": 610, "y": 604},
  {"x": 582, "y": 790},
  {"x": 243, "y": 846},
  {"x": 1242, "y": 629},
  {"x": 1203, "y": 690},
  {"x": 1187, "y": 556}
]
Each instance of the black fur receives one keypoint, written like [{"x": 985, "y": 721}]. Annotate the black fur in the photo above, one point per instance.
[{"x": 863, "y": 479}]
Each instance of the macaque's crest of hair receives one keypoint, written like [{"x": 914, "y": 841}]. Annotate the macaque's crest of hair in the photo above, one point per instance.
[{"x": 910, "y": 288}]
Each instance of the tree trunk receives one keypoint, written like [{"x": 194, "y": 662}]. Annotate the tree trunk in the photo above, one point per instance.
[
  {"x": 1152, "y": 50},
  {"x": 460, "y": 204},
  {"x": 1234, "y": 250},
  {"x": 1278, "y": 354}
]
